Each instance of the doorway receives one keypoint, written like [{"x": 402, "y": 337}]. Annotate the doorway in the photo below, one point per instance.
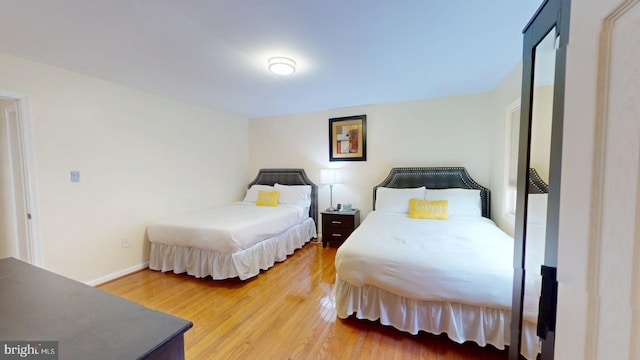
[{"x": 17, "y": 236}]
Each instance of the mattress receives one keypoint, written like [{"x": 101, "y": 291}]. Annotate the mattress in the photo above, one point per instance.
[
  {"x": 228, "y": 228},
  {"x": 459, "y": 271},
  {"x": 466, "y": 259}
]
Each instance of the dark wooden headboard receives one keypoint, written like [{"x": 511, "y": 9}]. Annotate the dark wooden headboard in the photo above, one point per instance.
[
  {"x": 289, "y": 177},
  {"x": 435, "y": 178}
]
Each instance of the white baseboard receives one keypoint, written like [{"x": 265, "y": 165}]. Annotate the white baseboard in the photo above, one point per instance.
[{"x": 117, "y": 274}]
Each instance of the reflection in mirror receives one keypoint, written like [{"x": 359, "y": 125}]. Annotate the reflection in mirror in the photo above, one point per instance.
[{"x": 540, "y": 151}]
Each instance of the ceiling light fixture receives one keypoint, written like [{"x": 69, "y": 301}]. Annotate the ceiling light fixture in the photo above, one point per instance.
[{"x": 282, "y": 65}]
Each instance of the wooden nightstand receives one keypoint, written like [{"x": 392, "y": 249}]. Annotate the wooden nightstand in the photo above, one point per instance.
[{"x": 338, "y": 225}]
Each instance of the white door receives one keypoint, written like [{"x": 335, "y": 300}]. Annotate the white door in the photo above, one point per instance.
[
  {"x": 16, "y": 235},
  {"x": 599, "y": 315},
  {"x": 618, "y": 215},
  {"x": 9, "y": 244}
]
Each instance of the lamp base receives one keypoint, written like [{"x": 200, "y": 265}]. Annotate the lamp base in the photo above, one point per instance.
[{"x": 331, "y": 208}]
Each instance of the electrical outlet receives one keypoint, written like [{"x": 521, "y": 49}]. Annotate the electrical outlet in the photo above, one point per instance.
[{"x": 126, "y": 242}]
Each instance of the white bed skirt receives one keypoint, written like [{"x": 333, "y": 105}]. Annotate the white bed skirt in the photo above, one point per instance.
[
  {"x": 243, "y": 264},
  {"x": 459, "y": 321}
]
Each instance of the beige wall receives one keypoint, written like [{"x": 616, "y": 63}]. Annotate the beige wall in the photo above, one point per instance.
[
  {"x": 140, "y": 157},
  {"x": 450, "y": 131}
]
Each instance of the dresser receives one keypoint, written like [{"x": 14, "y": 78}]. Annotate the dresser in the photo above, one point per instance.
[
  {"x": 86, "y": 323},
  {"x": 338, "y": 225}
]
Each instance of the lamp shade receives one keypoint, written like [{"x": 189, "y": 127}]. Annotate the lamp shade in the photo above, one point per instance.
[{"x": 329, "y": 176}]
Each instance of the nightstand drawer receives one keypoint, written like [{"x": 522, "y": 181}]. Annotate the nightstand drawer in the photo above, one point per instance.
[
  {"x": 338, "y": 221},
  {"x": 334, "y": 235}
]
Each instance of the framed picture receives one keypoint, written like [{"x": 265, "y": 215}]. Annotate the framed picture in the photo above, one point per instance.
[{"x": 348, "y": 138}]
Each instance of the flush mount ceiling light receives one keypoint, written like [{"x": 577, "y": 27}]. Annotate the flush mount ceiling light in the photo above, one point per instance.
[{"x": 282, "y": 65}]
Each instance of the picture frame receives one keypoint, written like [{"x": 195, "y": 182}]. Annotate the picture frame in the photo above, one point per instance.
[{"x": 348, "y": 138}]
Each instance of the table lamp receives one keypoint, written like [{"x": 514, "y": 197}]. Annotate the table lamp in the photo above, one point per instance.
[{"x": 329, "y": 177}]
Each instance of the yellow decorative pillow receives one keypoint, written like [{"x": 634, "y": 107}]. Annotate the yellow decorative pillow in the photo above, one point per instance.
[
  {"x": 267, "y": 198},
  {"x": 428, "y": 209}
]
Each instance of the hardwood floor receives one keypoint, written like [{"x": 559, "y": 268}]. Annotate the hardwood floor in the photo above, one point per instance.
[{"x": 287, "y": 312}]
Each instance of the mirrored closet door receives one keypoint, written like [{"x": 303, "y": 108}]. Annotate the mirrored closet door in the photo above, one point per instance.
[{"x": 538, "y": 191}]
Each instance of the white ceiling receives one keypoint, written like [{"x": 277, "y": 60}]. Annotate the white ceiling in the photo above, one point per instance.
[{"x": 214, "y": 53}]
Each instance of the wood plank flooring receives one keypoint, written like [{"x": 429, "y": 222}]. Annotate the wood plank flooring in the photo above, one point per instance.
[{"x": 287, "y": 312}]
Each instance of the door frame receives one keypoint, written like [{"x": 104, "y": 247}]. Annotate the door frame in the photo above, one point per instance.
[{"x": 29, "y": 220}]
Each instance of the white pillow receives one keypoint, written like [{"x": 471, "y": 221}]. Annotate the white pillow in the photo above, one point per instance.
[
  {"x": 462, "y": 202},
  {"x": 397, "y": 200},
  {"x": 298, "y": 195},
  {"x": 252, "y": 192}
]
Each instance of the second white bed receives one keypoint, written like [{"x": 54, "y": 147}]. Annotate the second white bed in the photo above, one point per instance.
[
  {"x": 467, "y": 260},
  {"x": 242, "y": 238},
  {"x": 451, "y": 276}
]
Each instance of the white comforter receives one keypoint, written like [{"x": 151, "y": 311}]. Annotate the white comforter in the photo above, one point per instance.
[
  {"x": 467, "y": 260},
  {"x": 228, "y": 228}
]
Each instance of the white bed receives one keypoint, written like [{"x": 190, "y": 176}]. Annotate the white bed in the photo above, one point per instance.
[
  {"x": 239, "y": 239},
  {"x": 450, "y": 276}
]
